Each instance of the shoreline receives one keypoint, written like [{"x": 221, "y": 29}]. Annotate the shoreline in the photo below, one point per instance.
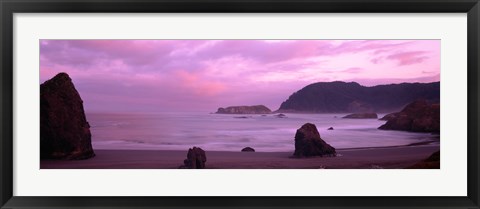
[
  {"x": 396, "y": 157},
  {"x": 430, "y": 142}
]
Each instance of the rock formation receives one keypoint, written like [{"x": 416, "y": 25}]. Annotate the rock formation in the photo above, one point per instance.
[
  {"x": 362, "y": 116},
  {"x": 196, "y": 158},
  {"x": 389, "y": 116},
  {"x": 432, "y": 162},
  {"x": 308, "y": 143},
  {"x": 340, "y": 97},
  {"x": 248, "y": 149},
  {"x": 256, "y": 109},
  {"x": 418, "y": 116},
  {"x": 64, "y": 130},
  {"x": 331, "y": 128}
]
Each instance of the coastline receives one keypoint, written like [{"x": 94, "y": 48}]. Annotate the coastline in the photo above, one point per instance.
[{"x": 396, "y": 157}]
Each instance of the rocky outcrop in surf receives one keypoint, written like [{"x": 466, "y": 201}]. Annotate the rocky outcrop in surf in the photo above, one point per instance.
[
  {"x": 308, "y": 143},
  {"x": 418, "y": 116},
  {"x": 389, "y": 116}
]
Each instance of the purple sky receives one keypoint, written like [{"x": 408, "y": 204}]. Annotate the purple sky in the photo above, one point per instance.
[{"x": 192, "y": 75}]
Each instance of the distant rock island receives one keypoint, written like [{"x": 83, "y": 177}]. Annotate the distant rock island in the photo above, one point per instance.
[
  {"x": 256, "y": 109},
  {"x": 64, "y": 130},
  {"x": 338, "y": 97},
  {"x": 418, "y": 116}
]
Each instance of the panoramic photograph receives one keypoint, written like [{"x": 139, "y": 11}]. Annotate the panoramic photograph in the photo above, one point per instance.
[{"x": 239, "y": 104}]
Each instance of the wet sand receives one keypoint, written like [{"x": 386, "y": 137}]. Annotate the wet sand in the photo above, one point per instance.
[{"x": 364, "y": 158}]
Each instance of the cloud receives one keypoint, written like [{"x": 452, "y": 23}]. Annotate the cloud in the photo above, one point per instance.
[
  {"x": 370, "y": 46},
  {"x": 353, "y": 70},
  {"x": 408, "y": 58},
  {"x": 263, "y": 52},
  {"x": 194, "y": 83},
  {"x": 376, "y": 60}
]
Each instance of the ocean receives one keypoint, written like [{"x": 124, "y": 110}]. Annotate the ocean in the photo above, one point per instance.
[{"x": 225, "y": 132}]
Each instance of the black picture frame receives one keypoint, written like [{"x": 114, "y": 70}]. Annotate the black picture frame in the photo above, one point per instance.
[{"x": 9, "y": 7}]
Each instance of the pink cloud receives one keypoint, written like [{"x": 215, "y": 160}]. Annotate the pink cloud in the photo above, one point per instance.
[
  {"x": 374, "y": 46},
  {"x": 376, "y": 60},
  {"x": 408, "y": 58},
  {"x": 353, "y": 70},
  {"x": 201, "y": 87}
]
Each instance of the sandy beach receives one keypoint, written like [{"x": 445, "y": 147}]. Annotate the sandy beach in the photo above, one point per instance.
[{"x": 364, "y": 158}]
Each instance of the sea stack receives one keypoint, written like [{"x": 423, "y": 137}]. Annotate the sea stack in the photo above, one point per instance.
[
  {"x": 418, "y": 116},
  {"x": 196, "y": 158},
  {"x": 64, "y": 130},
  {"x": 308, "y": 143}
]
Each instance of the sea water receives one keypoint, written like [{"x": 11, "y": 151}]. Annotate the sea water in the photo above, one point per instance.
[{"x": 226, "y": 132}]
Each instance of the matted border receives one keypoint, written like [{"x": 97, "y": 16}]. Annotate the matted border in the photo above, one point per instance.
[
  {"x": 10, "y": 7},
  {"x": 29, "y": 180}
]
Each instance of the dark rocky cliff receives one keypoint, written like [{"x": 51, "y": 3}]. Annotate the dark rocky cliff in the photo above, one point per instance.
[
  {"x": 418, "y": 116},
  {"x": 334, "y": 97},
  {"x": 64, "y": 130}
]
